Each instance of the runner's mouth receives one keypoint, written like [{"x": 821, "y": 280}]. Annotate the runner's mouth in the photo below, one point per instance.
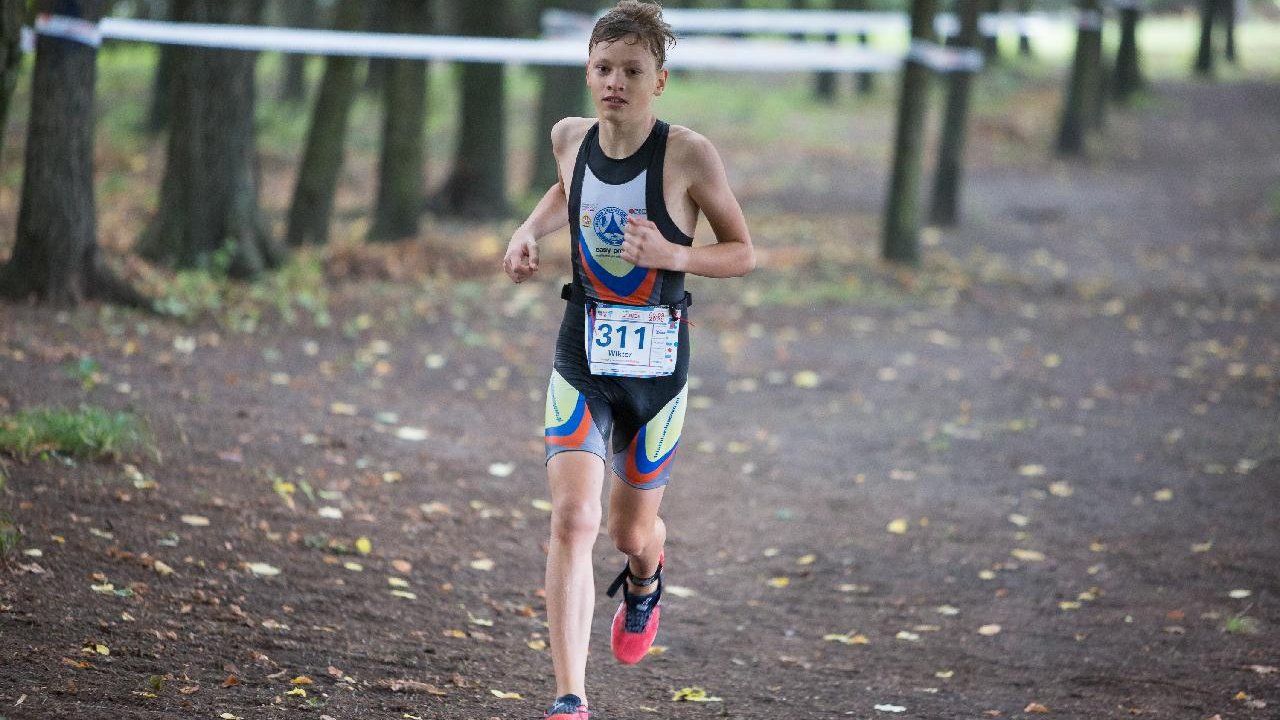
[{"x": 614, "y": 100}]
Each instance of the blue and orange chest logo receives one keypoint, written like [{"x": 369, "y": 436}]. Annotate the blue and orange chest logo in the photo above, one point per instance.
[{"x": 600, "y": 239}]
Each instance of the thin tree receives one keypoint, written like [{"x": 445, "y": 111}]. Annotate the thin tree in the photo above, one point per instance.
[
  {"x": 1128, "y": 71},
  {"x": 478, "y": 185},
  {"x": 902, "y": 217},
  {"x": 11, "y": 17},
  {"x": 1229, "y": 30},
  {"x": 563, "y": 95},
  {"x": 312, "y": 205},
  {"x": 377, "y": 19},
  {"x": 401, "y": 171},
  {"x": 1024, "y": 40},
  {"x": 1083, "y": 84},
  {"x": 944, "y": 209},
  {"x": 1204, "y": 54},
  {"x": 208, "y": 214},
  {"x": 56, "y": 257},
  {"x": 296, "y": 14}
]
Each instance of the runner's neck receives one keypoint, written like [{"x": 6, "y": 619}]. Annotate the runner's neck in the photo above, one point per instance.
[{"x": 620, "y": 141}]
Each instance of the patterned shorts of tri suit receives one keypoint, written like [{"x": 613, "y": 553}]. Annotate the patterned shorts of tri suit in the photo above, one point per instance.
[{"x": 639, "y": 419}]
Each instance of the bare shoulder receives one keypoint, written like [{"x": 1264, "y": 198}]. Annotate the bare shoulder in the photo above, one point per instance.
[
  {"x": 691, "y": 152},
  {"x": 568, "y": 132}
]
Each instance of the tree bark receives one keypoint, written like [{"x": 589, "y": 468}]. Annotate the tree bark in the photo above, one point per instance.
[
  {"x": 11, "y": 16},
  {"x": 865, "y": 82},
  {"x": 902, "y": 217},
  {"x": 56, "y": 257},
  {"x": 377, "y": 19},
  {"x": 1228, "y": 11},
  {"x": 162, "y": 90},
  {"x": 401, "y": 169},
  {"x": 478, "y": 185},
  {"x": 1204, "y": 55},
  {"x": 297, "y": 14},
  {"x": 1024, "y": 40},
  {"x": 1128, "y": 77},
  {"x": 208, "y": 213},
  {"x": 312, "y": 205},
  {"x": 991, "y": 43},
  {"x": 564, "y": 94},
  {"x": 944, "y": 209},
  {"x": 1083, "y": 83}
]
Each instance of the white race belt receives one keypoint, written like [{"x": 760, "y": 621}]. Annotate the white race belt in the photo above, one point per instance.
[{"x": 632, "y": 341}]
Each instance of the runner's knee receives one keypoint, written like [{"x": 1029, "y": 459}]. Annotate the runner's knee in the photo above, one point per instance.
[
  {"x": 576, "y": 521},
  {"x": 630, "y": 540}
]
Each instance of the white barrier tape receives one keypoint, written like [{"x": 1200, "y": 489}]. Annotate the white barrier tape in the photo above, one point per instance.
[
  {"x": 1090, "y": 20},
  {"x": 27, "y": 40},
  {"x": 713, "y": 53},
  {"x": 825, "y": 22},
  {"x": 944, "y": 59},
  {"x": 69, "y": 28}
]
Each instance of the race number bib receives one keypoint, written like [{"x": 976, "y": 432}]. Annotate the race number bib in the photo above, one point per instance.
[{"x": 630, "y": 341}]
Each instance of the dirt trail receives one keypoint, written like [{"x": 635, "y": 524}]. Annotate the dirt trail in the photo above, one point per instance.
[{"x": 1066, "y": 428}]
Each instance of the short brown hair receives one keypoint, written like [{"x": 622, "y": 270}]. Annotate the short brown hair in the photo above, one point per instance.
[{"x": 641, "y": 19}]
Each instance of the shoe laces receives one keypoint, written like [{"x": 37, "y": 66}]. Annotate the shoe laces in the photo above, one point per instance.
[
  {"x": 639, "y": 607},
  {"x": 567, "y": 705}
]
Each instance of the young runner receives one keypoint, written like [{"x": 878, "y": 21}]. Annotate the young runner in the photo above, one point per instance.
[{"x": 631, "y": 189}]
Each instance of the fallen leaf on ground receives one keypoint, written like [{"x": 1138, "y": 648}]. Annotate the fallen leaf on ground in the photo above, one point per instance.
[
  {"x": 402, "y": 566},
  {"x": 1036, "y": 708},
  {"x": 1027, "y": 555},
  {"x": 483, "y": 564},
  {"x": 1239, "y": 594},
  {"x": 501, "y": 469},
  {"x": 898, "y": 526},
  {"x": 989, "y": 630},
  {"x": 501, "y": 695},
  {"x": 302, "y": 680},
  {"x": 694, "y": 694},
  {"x": 195, "y": 520},
  {"x": 412, "y": 434},
  {"x": 364, "y": 545},
  {"x": 891, "y": 708},
  {"x": 263, "y": 569},
  {"x": 410, "y": 686}
]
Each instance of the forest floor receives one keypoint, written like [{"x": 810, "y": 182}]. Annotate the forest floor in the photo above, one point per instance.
[{"x": 1038, "y": 474}]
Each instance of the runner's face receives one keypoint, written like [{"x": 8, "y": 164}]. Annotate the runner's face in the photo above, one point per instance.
[{"x": 624, "y": 78}]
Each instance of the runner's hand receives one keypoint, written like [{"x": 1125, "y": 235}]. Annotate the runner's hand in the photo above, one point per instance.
[
  {"x": 644, "y": 246},
  {"x": 521, "y": 260}
]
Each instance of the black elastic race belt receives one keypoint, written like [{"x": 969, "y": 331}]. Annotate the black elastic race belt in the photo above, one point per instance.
[{"x": 577, "y": 296}]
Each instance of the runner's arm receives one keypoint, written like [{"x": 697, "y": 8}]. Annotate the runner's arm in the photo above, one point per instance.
[
  {"x": 732, "y": 254},
  {"x": 551, "y": 214}
]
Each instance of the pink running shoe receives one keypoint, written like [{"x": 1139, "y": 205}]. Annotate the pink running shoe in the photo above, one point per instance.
[{"x": 635, "y": 625}]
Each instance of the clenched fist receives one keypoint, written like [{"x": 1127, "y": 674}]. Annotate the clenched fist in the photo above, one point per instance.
[{"x": 644, "y": 246}]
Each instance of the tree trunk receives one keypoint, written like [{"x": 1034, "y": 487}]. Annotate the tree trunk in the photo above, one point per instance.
[
  {"x": 946, "y": 186},
  {"x": 478, "y": 185},
  {"x": 297, "y": 14},
  {"x": 56, "y": 256},
  {"x": 1204, "y": 56},
  {"x": 377, "y": 19},
  {"x": 991, "y": 43},
  {"x": 162, "y": 90},
  {"x": 902, "y": 217},
  {"x": 1228, "y": 11},
  {"x": 865, "y": 82},
  {"x": 1024, "y": 40},
  {"x": 208, "y": 213},
  {"x": 401, "y": 168},
  {"x": 11, "y": 16},
  {"x": 1084, "y": 81},
  {"x": 564, "y": 93},
  {"x": 312, "y": 205},
  {"x": 1128, "y": 77}
]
